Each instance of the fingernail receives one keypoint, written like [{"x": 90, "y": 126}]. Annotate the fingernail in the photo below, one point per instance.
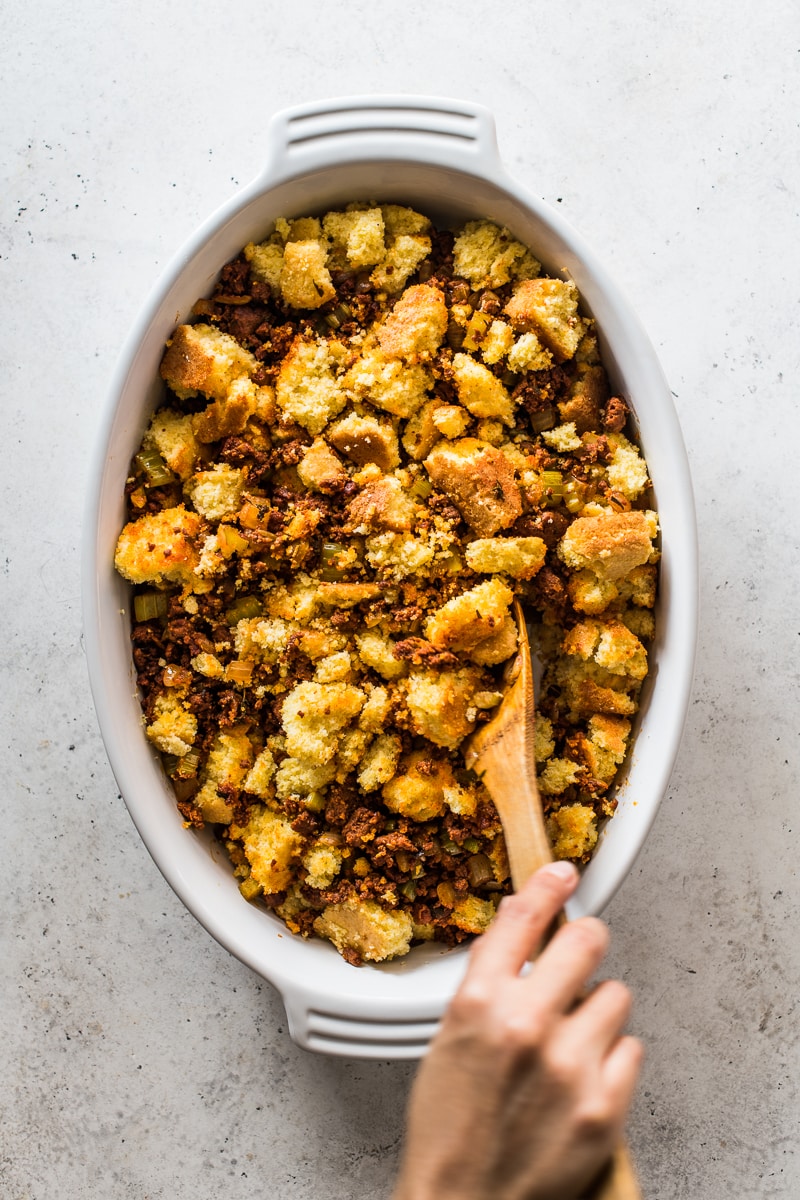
[{"x": 562, "y": 870}]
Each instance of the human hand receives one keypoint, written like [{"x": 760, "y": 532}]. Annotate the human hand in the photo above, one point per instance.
[{"x": 523, "y": 1094}]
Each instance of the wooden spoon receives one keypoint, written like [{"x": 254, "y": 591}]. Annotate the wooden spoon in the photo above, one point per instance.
[{"x": 501, "y": 753}]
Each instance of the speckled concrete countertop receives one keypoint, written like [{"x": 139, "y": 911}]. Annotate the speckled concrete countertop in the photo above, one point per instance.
[{"x": 138, "y": 1060}]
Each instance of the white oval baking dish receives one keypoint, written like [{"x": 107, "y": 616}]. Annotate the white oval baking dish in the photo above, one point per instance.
[{"x": 440, "y": 156}]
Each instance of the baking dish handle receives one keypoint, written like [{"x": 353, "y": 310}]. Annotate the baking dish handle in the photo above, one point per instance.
[{"x": 450, "y": 133}]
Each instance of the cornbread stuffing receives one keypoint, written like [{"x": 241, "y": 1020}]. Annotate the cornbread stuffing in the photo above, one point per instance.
[{"x": 375, "y": 435}]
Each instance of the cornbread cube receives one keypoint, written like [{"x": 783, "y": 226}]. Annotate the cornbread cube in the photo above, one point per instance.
[
  {"x": 398, "y": 220},
  {"x": 418, "y": 789},
  {"x": 480, "y": 481},
  {"x": 258, "y": 781},
  {"x": 298, "y": 601},
  {"x": 303, "y": 229},
  {"x": 201, "y": 358},
  {"x": 472, "y": 914},
  {"x": 351, "y": 751},
  {"x": 497, "y": 343},
  {"x": 271, "y": 847},
  {"x": 627, "y": 470},
  {"x": 323, "y": 864},
  {"x": 603, "y": 747},
  {"x": 528, "y": 354},
  {"x": 401, "y": 261},
  {"x": 347, "y": 595},
  {"x": 319, "y": 468},
  {"x": 224, "y": 418},
  {"x": 563, "y": 438},
  {"x": 380, "y": 762},
  {"x": 214, "y": 807},
  {"x": 480, "y": 391},
  {"x": 421, "y": 432},
  {"x": 492, "y": 432},
  {"x": 216, "y": 493},
  {"x": 356, "y": 236},
  {"x": 402, "y": 554},
  {"x": 610, "y": 644},
  {"x": 640, "y": 621},
  {"x": 297, "y": 777},
  {"x": 172, "y": 435},
  {"x": 451, "y": 420},
  {"x": 489, "y": 256},
  {"x": 396, "y": 387},
  {"x": 611, "y": 544},
  {"x": 416, "y": 326},
  {"x": 463, "y": 801},
  {"x": 305, "y": 279},
  {"x": 548, "y": 308},
  {"x": 573, "y": 831},
  {"x": 558, "y": 774},
  {"x": 519, "y": 557},
  {"x": 307, "y": 389},
  {"x": 468, "y": 619},
  {"x": 334, "y": 667},
  {"x": 365, "y": 440},
  {"x": 160, "y": 547},
  {"x": 174, "y": 727},
  {"x": 376, "y": 710},
  {"x": 382, "y": 505},
  {"x": 587, "y": 398},
  {"x": 639, "y": 586},
  {"x": 314, "y": 715},
  {"x": 498, "y": 647},
  {"x": 262, "y": 640},
  {"x": 589, "y": 593},
  {"x": 228, "y": 763},
  {"x": 266, "y": 263},
  {"x": 374, "y": 933},
  {"x": 376, "y": 650},
  {"x": 440, "y": 704},
  {"x": 588, "y": 689},
  {"x": 543, "y": 741}
]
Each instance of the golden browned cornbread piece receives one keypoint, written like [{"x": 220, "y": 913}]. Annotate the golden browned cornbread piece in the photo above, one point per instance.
[
  {"x": 174, "y": 726},
  {"x": 315, "y": 714},
  {"x": 498, "y": 647},
  {"x": 573, "y": 831},
  {"x": 588, "y": 395},
  {"x": 375, "y": 933},
  {"x": 356, "y": 236},
  {"x": 611, "y": 545},
  {"x": 365, "y": 440},
  {"x": 416, "y": 326},
  {"x": 480, "y": 481},
  {"x": 172, "y": 435},
  {"x": 549, "y": 308},
  {"x": 227, "y": 765},
  {"x": 417, "y": 790},
  {"x": 480, "y": 391},
  {"x": 519, "y": 557},
  {"x": 610, "y": 644},
  {"x": 216, "y": 493},
  {"x": 471, "y": 617},
  {"x": 272, "y": 849},
  {"x": 451, "y": 420},
  {"x": 398, "y": 388},
  {"x": 381, "y": 505},
  {"x": 603, "y": 747},
  {"x": 441, "y": 704},
  {"x": 160, "y": 548},
  {"x": 421, "y": 432},
  {"x": 200, "y": 358},
  {"x": 305, "y": 279},
  {"x": 319, "y": 468},
  {"x": 227, "y": 417},
  {"x": 489, "y": 256},
  {"x": 473, "y": 914},
  {"x": 308, "y": 390}
]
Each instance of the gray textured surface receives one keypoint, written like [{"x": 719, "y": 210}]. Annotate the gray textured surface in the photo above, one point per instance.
[{"x": 137, "y": 1060}]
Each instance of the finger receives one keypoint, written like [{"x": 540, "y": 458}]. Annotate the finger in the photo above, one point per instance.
[
  {"x": 621, "y": 1073},
  {"x": 565, "y": 965},
  {"x": 522, "y": 921},
  {"x": 596, "y": 1024}
]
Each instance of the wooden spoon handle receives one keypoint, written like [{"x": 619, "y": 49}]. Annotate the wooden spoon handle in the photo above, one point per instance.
[{"x": 618, "y": 1180}]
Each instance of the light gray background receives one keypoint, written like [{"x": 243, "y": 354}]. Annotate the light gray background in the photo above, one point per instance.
[{"x": 138, "y": 1059}]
